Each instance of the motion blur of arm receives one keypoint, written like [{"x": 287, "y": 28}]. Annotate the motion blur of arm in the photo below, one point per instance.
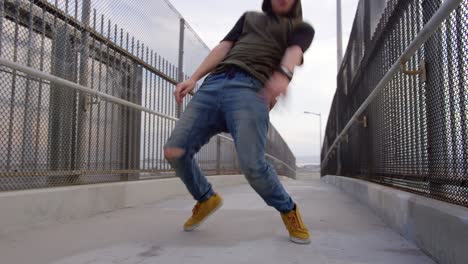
[
  {"x": 292, "y": 57},
  {"x": 299, "y": 43},
  {"x": 216, "y": 56}
]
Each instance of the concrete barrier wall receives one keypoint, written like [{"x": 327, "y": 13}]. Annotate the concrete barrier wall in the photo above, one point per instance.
[
  {"x": 438, "y": 228},
  {"x": 22, "y": 210}
]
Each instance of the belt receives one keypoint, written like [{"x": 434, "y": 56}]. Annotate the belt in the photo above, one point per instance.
[{"x": 232, "y": 70}]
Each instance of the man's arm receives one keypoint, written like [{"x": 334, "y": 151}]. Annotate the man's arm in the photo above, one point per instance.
[
  {"x": 299, "y": 42},
  {"x": 216, "y": 56},
  {"x": 279, "y": 82},
  {"x": 292, "y": 58}
]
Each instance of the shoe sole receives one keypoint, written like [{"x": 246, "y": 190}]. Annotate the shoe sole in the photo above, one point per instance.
[
  {"x": 193, "y": 227},
  {"x": 299, "y": 241}
]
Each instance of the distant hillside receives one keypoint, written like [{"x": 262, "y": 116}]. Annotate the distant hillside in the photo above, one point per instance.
[{"x": 307, "y": 160}]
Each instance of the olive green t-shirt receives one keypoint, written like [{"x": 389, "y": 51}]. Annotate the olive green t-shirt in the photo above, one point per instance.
[{"x": 261, "y": 40}]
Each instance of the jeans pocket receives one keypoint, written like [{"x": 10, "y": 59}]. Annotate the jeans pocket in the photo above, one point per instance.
[
  {"x": 263, "y": 99},
  {"x": 257, "y": 84},
  {"x": 212, "y": 77},
  {"x": 259, "y": 88}
]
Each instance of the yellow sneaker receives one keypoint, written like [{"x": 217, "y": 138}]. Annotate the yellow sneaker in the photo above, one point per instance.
[
  {"x": 202, "y": 211},
  {"x": 298, "y": 232}
]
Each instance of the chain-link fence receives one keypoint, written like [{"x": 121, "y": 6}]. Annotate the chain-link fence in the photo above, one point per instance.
[
  {"x": 110, "y": 120},
  {"x": 414, "y": 135}
]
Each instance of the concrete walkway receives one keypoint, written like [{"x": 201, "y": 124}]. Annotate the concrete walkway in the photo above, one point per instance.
[{"x": 243, "y": 231}]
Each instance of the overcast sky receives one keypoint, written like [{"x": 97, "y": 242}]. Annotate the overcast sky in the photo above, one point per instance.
[{"x": 314, "y": 84}]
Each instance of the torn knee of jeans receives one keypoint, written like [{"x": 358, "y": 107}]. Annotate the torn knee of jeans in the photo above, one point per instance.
[{"x": 173, "y": 153}]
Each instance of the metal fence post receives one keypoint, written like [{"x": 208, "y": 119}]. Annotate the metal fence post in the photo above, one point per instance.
[
  {"x": 435, "y": 105},
  {"x": 367, "y": 23},
  {"x": 339, "y": 32},
  {"x": 180, "y": 75},
  {"x": 134, "y": 132},
  {"x": 62, "y": 102},
  {"x": 218, "y": 155},
  {"x": 83, "y": 80},
  {"x": 1, "y": 25},
  {"x": 338, "y": 129},
  {"x": 340, "y": 60},
  {"x": 27, "y": 147}
]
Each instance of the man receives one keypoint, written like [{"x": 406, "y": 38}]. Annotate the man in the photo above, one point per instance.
[{"x": 249, "y": 69}]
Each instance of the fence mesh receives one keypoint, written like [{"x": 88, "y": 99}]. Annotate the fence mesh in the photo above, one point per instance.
[
  {"x": 414, "y": 134},
  {"x": 52, "y": 135}
]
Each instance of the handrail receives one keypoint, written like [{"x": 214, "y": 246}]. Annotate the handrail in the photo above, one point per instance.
[
  {"x": 71, "y": 85},
  {"x": 428, "y": 30}
]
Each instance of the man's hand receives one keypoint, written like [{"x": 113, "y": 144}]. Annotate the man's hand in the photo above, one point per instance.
[
  {"x": 183, "y": 89},
  {"x": 216, "y": 56},
  {"x": 277, "y": 85}
]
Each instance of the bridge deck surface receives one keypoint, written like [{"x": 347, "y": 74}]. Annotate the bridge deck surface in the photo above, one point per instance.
[{"x": 245, "y": 230}]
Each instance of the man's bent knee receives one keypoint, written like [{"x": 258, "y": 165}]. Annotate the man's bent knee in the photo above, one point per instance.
[
  {"x": 173, "y": 153},
  {"x": 256, "y": 171}
]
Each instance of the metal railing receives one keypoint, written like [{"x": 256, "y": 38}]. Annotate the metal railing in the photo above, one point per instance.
[
  {"x": 407, "y": 130},
  {"x": 84, "y": 102}
]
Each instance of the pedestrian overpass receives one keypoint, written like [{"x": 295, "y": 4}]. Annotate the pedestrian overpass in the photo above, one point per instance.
[{"x": 87, "y": 105}]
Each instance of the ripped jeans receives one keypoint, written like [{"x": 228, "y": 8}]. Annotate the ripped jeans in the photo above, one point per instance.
[{"x": 228, "y": 102}]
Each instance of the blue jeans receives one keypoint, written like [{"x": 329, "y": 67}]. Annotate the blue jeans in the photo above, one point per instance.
[{"x": 228, "y": 102}]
